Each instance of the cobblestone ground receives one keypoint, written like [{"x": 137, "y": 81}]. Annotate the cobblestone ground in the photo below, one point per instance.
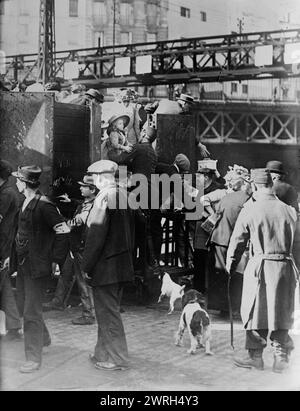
[{"x": 157, "y": 364}]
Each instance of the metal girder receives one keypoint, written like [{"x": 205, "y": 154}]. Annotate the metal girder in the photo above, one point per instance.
[
  {"x": 244, "y": 122},
  {"x": 205, "y": 59},
  {"x": 46, "y": 56}
]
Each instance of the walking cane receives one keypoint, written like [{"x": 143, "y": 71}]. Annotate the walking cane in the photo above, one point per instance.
[{"x": 230, "y": 312}]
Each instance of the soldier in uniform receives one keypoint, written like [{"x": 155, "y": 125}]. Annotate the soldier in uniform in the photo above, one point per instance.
[
  {"x": 270, "y": 276},
  {"x": 41, "y": 243},
  {"x": 10, "y": 202},
  {"x": 108, "y": 262}
]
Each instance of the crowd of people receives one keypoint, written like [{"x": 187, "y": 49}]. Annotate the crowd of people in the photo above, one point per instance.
[{"x": 246, "y": 231}]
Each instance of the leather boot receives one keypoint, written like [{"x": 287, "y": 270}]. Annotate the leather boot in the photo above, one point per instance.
[
  {"x": 281, "y": 358},
  {"x": 253, "y": 360}
]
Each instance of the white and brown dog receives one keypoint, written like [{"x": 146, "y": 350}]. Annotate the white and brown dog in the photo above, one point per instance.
[
  {"x": 197, "y": 321},
  {"x": 170, "y": 289}
]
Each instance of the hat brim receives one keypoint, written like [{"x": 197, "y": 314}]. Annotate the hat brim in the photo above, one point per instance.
[
  {"x": 24, "y": 179},
  {"x": 82, "y": 184},
  {"x": 123, "y": 117},
  {"x": 186, "y": 101},
  {"x": 281, "y": 172},
  {"x": 205, "y": 171}
]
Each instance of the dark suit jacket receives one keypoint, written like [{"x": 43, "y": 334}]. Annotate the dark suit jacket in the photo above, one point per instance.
[
  {"x": 286, "y": 193},
  {"x": 108, "y": 253},
  {"x": 229, "y": 209},
  {"x": 142, "y": 160},
  {"x": 10, "y": 202},
  {"x": 45, "y": 246},
  {"x": 163, "y": 168}
]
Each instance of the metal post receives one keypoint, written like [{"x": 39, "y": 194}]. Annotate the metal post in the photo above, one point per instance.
[{"x": 114, "y": 27}]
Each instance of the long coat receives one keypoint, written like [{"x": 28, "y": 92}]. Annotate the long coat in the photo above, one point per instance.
[
  {"x": 108, "y": 252},
  {"x": 271, "y": 274}
]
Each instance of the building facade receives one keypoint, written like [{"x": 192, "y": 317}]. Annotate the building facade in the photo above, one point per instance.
[
  {"x": 83, "y": 23},
  {"x": 89, "y": 23}
]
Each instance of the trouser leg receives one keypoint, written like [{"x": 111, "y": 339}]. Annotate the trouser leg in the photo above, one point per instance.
[
  {"x": 84, "y": 289},
  {"x": 64, "y": 281},
  {"x": 156, "y": 232},
  {"x": 111, "y": 345},
  {"x": 200, "y": 266},
  {"x": 31, "y": 292},
  {"x": 140, "y": 241},
  {"x": 256, "y": 339},
  {"x": 9, "y": 306},
  {"x": 180, "y": 238}
]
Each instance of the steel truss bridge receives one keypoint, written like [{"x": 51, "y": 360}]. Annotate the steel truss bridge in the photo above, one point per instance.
[
  {"x": 243, "y": 122},
  {"x": 191, "y": 60}
]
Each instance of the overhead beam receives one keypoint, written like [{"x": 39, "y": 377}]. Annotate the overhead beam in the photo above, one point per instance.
[{"x": 204, "y": 59}]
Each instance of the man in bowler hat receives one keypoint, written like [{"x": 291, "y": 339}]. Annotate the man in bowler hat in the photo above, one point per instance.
[
  {"x": 108, "y": 262},
  {"x": 41, "y": 243}
]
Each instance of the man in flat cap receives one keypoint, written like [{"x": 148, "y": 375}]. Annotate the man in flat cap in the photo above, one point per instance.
[
  {"x": 41, "y": 243},
  {"x": 270, "y": 276},
  {"x": 108, "y": 262},
  {"x": 284, "y": 191},
  {"x": 72, "y": 265},
  {"x": 10, "y": 202}
]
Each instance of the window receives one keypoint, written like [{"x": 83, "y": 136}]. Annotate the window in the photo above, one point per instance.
[
  {"x": 185, "y": 12},
  {"x": 73, "y": 8},
  {"x": 126, "y": 37},
  {"x": 2, "y": 7},
  {"x": 99, "y": 12},
  {"x": 73, "y": 35},
  {"x": 151, "y": 37},
  {"x": 245, "y": 88},
  {"x": 23, "y": 8},
  {"x": 126, "y": 13},
  {"x": 99, "y": 39},
  {"x": 23, "y": 32},
  {"x": 153, "y": 14},
  {"x": 233, "y": 87},
  {"x": 203, "y": 16}
]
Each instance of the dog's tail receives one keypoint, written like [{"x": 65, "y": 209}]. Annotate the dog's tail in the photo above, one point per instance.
[{"x": 199, "y": 320}]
